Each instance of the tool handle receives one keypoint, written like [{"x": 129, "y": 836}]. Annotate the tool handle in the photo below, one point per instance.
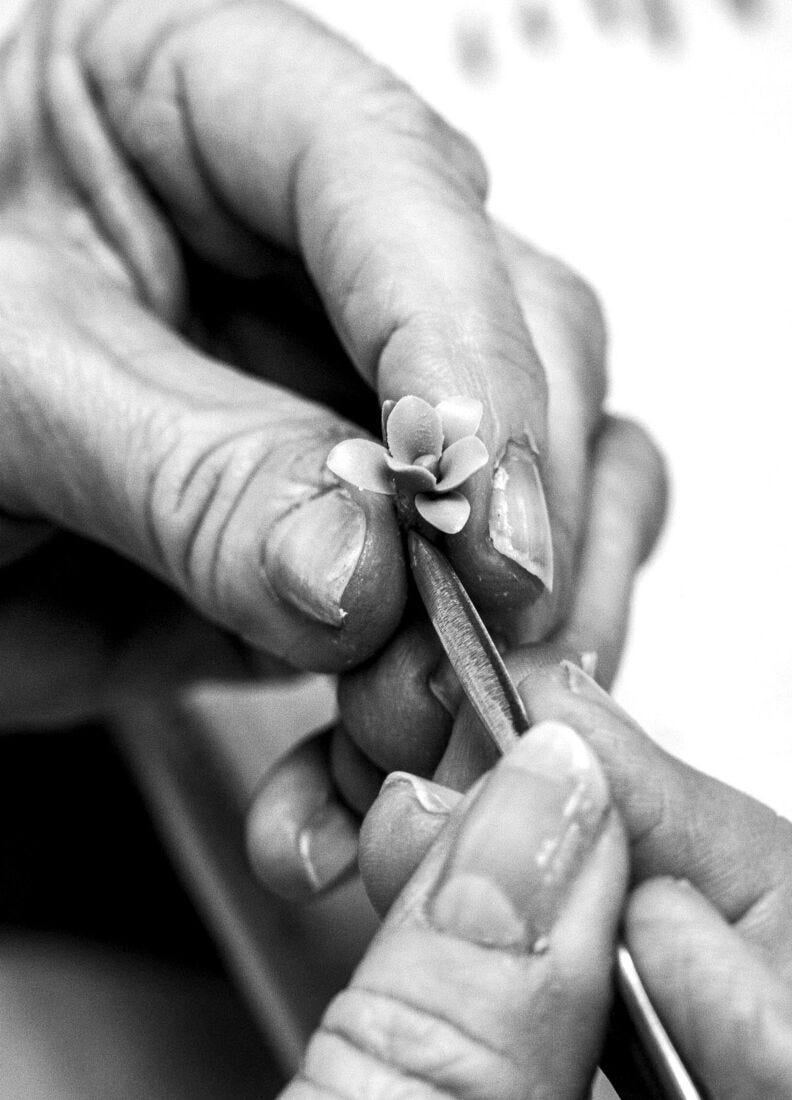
[{"x": 639, "y": 1058}]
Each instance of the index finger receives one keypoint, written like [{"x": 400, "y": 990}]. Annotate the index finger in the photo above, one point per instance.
[
  {"x": 681, "y": 822},
  {"x": 253, "y": 122}
]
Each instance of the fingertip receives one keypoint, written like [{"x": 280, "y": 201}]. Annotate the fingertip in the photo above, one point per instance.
[
  {"x": 658, "y": 905},
  {"x": 505, "y": 553},
  {"x": 389, "y": 707},
  {"x": 300, "y": 838},
  {"x": 337, "y": 577},
  {"x": 374, "y": 598},
  {"x": 401, "y": 826}
]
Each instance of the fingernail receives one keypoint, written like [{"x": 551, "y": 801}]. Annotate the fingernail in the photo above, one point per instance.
[
  {"x": 312, "y": 553},
  {"x": 431, "y": 797},
  {"x": 444, "y": 684},
  {"x": 588, "y": 662},
  {"x": 327, "y": 849},
  {"x": 581, "y": 683},
  {"x": 523, "y": 843},
  {"x": 519, "y": 524}
]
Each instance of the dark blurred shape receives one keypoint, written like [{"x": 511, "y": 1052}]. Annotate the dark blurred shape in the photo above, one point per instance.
[
  {"x": 78, "y": 853},
  {"x": 535, "y": 24},
  {"x": 474, "y": 46},
  {"x": 662, "y": 22},
  {"x": 609, "y": 14},
  {"x": 750, "y": 9},
  {"x": 81, "y": 865},
  {"x": 661, "y": 19}
]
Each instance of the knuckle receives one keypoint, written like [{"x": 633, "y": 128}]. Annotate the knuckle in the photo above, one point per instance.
[
  {"x": 571, "y": 294},
  {"x": 561, "y": 307},
  {"x": 760, "y": 1023},
  {"x": 196, "y": 483},
  {"x": 212, "y": 495},
  {"x": 182, "y": 494},
  {"x": 411, "y": 1044},
  {"x": 386, "y": 111},
  {"x": 414, "y": 121},
  {"x": 582, "y": 309}
]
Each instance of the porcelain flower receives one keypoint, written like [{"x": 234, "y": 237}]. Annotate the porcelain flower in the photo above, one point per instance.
[{"x": 430, "y": 452}]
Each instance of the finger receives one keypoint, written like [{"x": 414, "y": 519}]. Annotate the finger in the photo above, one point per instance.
[
  {"x": 491, "y": 976},
  {"x": 627, "y": 505},
  {"x": 415, "y": 809},
  {"x": 302, "y": 824},
  {"x": 392, "y": 706},
  {"x": 301, "y": 836},
  {"x": 399, "y": 829},
  {"x": 724, "y": 1006},
  {"x": 212, "y": 480},
  {"x": 355, "y": 777},
  {"x": 681, "y": 822},
  {"x": 312, "y": 146},
  {"x": 566, "y": 323}
]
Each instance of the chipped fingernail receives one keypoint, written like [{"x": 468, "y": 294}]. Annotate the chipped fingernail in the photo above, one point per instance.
[
  {"x": 519, "y": 523},
  {"x": 431, "y": 797},
  {"x": 523, "y": 842},
  {"x": 312, "y": 552}
]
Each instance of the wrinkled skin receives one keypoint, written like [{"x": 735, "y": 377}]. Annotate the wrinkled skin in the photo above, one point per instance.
[{"x": 227, "y": 237}]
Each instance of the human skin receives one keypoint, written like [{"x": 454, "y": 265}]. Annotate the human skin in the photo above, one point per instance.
[
  {"x": 308, "y": 807},
  {"x": 490, "y": 976},
  {"x": 708, "y": 916},
  {"x": 227, "y": 237}
]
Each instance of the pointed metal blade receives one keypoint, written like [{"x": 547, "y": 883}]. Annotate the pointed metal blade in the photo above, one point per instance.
[{"x": 471, "y": 651}]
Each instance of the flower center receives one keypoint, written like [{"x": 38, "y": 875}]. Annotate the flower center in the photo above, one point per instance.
[{"x": 429, "y": 462}]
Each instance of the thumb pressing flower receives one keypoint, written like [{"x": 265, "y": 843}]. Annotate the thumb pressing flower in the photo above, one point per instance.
[{"x": 429, "y": 453}]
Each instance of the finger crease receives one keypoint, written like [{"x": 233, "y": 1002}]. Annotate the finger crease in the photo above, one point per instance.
[
  {"x": 405, "y": 1003},
  {"x": 353, "y": 1042}
]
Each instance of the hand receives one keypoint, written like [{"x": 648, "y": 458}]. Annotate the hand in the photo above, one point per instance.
[
  {"x": 303, "y": 824},
  {"x": 713, "y": 950},
  {"x": 491, "y": 976},
  {"x": 203, "y": 205}
]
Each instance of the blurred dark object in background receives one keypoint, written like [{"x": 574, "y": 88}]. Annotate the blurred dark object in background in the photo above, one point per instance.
[
  {"x": 109, "y": 983},
  {"x": 78, "y": 853}
]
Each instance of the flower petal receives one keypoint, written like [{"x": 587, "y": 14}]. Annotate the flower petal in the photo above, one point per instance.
[
  {"x": 460, "y": 460},
  {"x": 413, "y": 429},
  {"x": 460, "y": 416},
  {"x": 448, "y": 513},
  {"x": 362, "y": 463},
  {"x": 411, "y": 479}
]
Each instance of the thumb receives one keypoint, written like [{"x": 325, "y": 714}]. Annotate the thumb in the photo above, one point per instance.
[
  {"x": 491, "y": 974},
  {"x": 114, "y": 427}
]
